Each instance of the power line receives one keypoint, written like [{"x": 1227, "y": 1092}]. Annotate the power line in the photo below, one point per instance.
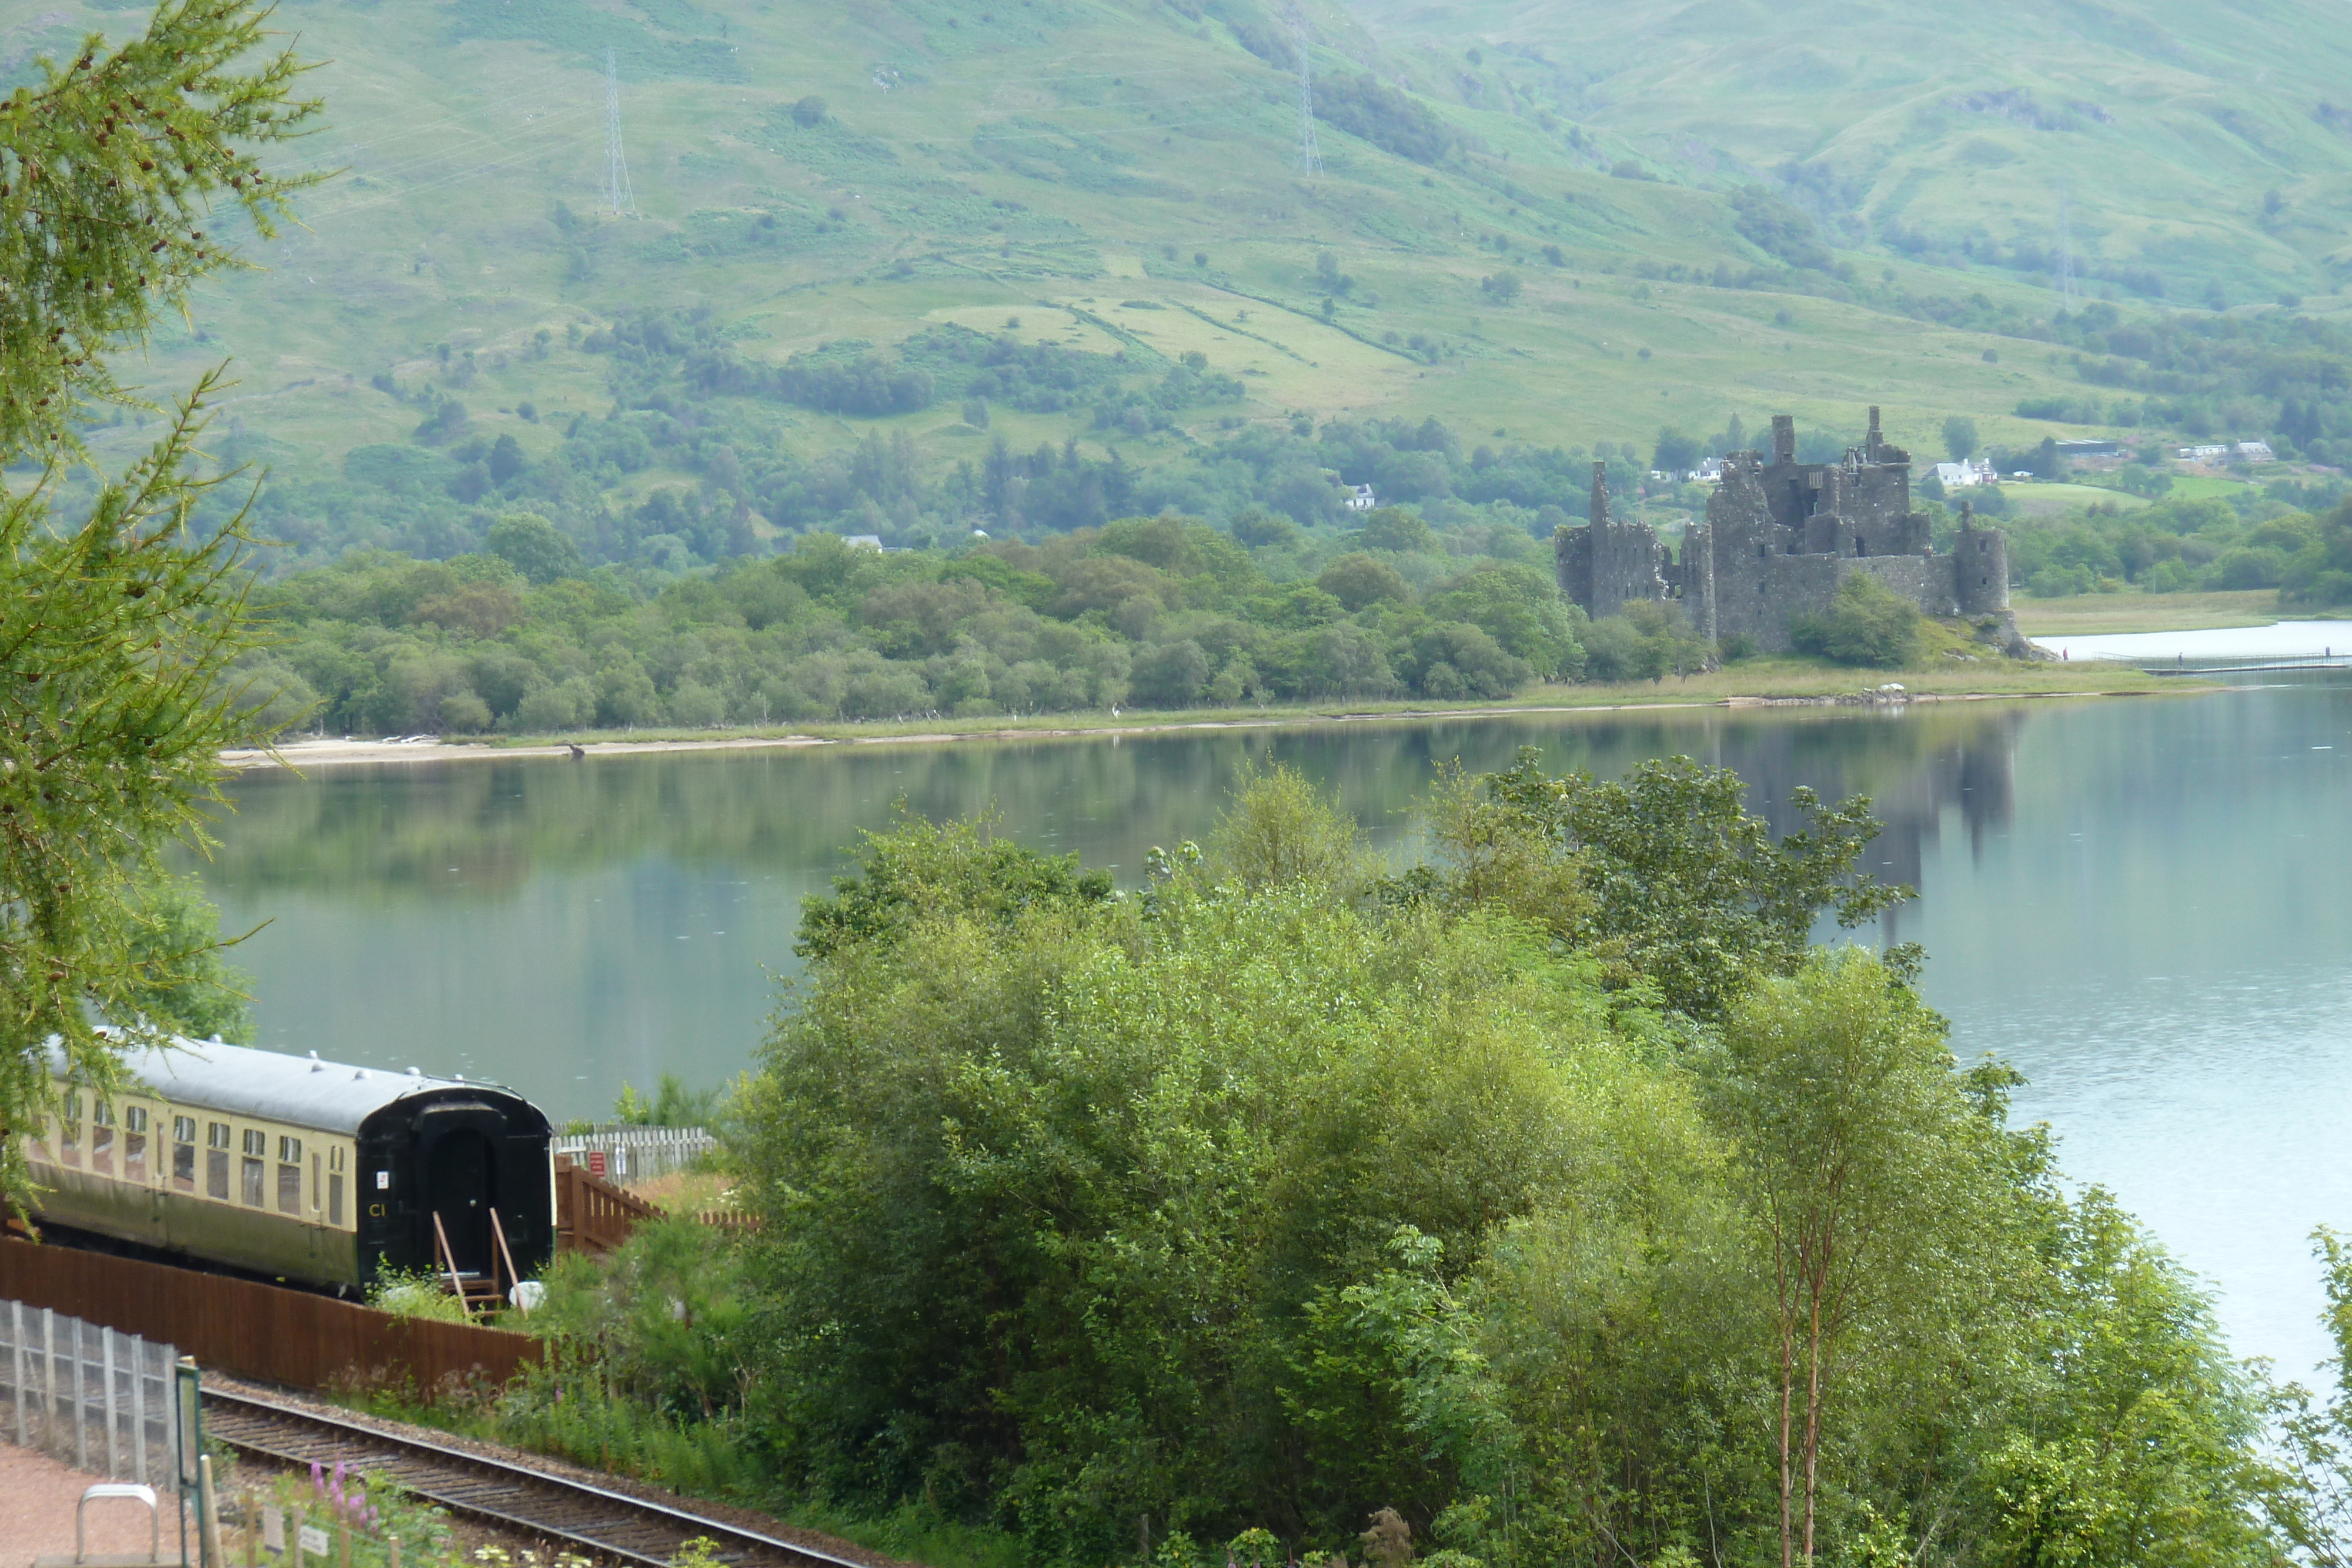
[
  {"x": 616, "y": 166},
  {"x": 1310, "y": 161},
  {"x": 2068, "y": 295}
]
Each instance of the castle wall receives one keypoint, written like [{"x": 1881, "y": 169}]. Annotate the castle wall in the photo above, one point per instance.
[{"x": 1926, "y": 580}]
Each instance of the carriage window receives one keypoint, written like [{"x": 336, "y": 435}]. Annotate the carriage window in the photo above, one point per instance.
[
  {"x": 318, "y": 1188},
  {"x": 184, "y": 1154},
  {"x": 289, "y": 1189},
  {"x": 101, "y": 1115},
  {"x": 69, "y": 1131},
  {"x": 335, "y": 1197},
  {"x": 254, "y": 1170},
  {"x": 216, "y": 1160}
]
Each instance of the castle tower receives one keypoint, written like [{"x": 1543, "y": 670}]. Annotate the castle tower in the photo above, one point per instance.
[
  {"x": 1979, "y": 566},
  {"x": 1871, "y": 446},
  {"x": 1784, "y": 439},
  {"x": 1607, "y": 563},
  {"x": 1698, "y": 574}
]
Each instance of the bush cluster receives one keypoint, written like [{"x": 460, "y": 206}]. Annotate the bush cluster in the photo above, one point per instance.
[
  {"x": 1156, "y": 612},
  {"x": 2285, "y": 535}
]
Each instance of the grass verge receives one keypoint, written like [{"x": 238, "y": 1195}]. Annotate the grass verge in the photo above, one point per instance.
[
  {"x": 1772, "y": 676},
  {"x": 2082, "y": 614}
]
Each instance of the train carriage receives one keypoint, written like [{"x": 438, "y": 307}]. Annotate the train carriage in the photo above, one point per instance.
[{"x": 300, "y": 1169}]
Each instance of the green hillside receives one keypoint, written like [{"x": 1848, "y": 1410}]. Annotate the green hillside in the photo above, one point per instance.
[
  {"x": 2196, "y": 146},
  {"x": 1078, "y": 226}
]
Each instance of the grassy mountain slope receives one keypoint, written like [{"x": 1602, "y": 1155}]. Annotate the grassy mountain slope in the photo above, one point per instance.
[
  {"x": 1110, "y": 176},
  {"x": 2195, "y": 144}
]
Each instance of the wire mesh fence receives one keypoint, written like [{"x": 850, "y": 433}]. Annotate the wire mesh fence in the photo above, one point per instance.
[{"x": 103, "y": 1402}]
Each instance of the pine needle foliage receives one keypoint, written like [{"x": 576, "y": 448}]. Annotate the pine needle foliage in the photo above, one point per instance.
[
  {"x": 118, "y": 631},
  {"x": 110, "y": 174}
]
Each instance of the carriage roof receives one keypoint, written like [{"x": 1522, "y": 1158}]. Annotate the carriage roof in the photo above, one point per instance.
[{"x": 302, "y": 1091}]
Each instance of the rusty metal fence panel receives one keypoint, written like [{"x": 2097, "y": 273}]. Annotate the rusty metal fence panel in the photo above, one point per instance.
[
  {"x": 98, "y": 1400},
  {"x": 265, "y": 1332}
]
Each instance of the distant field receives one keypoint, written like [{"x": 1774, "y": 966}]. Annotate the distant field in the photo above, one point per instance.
[
  {"x": 2199, "y": 486},
  {"x": 2086, "y": 613},
  {"x": 2045, "y": 500}
]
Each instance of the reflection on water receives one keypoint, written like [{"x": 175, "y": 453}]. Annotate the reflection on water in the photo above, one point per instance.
[
  {"x": 2140, "y": 903},
  {"x": 567, "y": 926}
]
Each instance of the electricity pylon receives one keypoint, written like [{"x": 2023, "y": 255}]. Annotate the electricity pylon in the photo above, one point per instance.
[
  {"x": 616, "y": 166},
  {"x": 1310, "y": 161}
]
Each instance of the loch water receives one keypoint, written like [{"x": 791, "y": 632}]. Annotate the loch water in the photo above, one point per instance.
[{"x": 2141, "y": 902}]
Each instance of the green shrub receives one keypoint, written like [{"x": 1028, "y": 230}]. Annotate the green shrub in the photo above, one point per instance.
[
  {"x": 422, "y": 1294},
  {"x": 1865, "y": 624}
]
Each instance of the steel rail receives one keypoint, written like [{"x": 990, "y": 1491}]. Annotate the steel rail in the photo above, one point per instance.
[{"x": 605, "y": 1524}]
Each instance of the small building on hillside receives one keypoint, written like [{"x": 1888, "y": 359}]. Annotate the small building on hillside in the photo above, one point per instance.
[
  {"x": 1361, "y": 498},
  {"x": 2252, "y": 451},
  {"x": 2090, "y": 449},
  {"x": 1967, "y": 471}
]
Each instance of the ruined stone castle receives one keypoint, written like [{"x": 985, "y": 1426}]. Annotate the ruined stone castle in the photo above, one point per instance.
[{"x": 1780, "y": 538}]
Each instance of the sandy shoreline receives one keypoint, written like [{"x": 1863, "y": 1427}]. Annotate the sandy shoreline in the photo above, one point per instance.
[{"x": 301, "y": 756}]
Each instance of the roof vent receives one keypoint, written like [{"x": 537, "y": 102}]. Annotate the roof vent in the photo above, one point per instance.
[
  {"x": 414, "y": 1073},
  {"x": 458, "y": 1076},
  {"x": 358, "y": 1073},
  {"x": 317, "y": 1065}
]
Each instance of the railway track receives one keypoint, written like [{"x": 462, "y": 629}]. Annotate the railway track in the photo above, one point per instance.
[{"x": 609, "y": 1526}]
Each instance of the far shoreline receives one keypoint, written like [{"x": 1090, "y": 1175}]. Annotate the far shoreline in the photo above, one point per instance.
[{"x": 1783, "y": 687}]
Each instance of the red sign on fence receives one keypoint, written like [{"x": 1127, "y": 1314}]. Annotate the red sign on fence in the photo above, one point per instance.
[{"x": 596, "y": 1162}]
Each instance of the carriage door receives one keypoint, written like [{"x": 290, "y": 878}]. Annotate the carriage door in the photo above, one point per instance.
[{"x": 459, "y": 1166}]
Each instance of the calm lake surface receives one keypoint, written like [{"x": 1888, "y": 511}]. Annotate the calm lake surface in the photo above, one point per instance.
[{"x": 2141, "y": 902}]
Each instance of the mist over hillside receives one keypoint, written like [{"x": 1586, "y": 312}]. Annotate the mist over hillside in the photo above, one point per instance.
[{"x": 913, "y": 268}]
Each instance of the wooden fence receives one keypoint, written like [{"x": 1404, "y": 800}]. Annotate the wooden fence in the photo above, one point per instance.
[
  {"x": 264, "y": 1331},
  {"x": 592, "y": 1215}
]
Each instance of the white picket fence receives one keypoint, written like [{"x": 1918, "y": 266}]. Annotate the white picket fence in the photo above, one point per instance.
[
  {"x": 98, "y": 1400},
  {"x": 635, "y": 1153}
]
